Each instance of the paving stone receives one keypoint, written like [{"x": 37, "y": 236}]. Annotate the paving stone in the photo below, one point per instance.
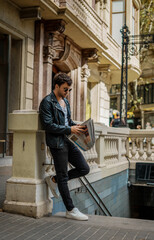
[
  {"x": 75, "y": 234},
  {"x": 98, "y": 234},
  {"x": 109, "y": 234},
  {"x": 30, "y": 230},
  {"x": 17, "y": 227},
  {"x": 65, "y": 233}
]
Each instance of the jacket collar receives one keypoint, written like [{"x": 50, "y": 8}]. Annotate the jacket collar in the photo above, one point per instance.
[{"x": 54, "y": 99}]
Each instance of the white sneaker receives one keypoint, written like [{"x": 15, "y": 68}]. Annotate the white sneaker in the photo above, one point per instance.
[
  {"x": 76, "y": 214},
  {"x": 53, "y": 186}
]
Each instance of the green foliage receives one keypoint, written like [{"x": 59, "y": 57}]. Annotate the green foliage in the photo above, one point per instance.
[{"x": 147, "y": 17}]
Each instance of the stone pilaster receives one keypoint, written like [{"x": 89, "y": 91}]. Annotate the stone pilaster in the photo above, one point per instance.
[
  {"x": 49, "y": 44},
  {"x": 38, "y": 64},
  {"x": 47, "y": 64},
  {"x": 85, "y": 74},
  {"x": 53, "y": 31},
  {"x": 88, "y": 55},
  {"x": 26, "y": 191},
  {"x": 104, "y": 87}
]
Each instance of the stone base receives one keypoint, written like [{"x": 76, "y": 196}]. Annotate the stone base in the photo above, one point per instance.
[
  {"x": 28, "y": 209},
  {"x": 28, "y": 197}
]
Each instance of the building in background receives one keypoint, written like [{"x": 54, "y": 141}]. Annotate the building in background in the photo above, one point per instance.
[
  {"x": 145, "y": 88},
  {"x": 140, "y": 90}
]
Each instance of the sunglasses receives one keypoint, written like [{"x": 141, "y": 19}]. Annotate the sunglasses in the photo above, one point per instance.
[{"x": 67, "y": 89}]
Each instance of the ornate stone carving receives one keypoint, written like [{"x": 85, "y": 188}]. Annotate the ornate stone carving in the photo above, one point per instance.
[
  {"x": 47, "y": 54},
  {"x": 54, "y": 40},
  {"x": 70, "y": 58},
  {"x": 65, "y": 54},
  {"x": 85, "y": 73},
  {"x": 58, "y": 44},
  {"x": 90, "y": 54},
  {"x": 104, "y": 70},
  {"x": 52, "y": 26}
]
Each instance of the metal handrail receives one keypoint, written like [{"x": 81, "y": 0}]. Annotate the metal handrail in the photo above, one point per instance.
[{"x": 94, "y": 195}]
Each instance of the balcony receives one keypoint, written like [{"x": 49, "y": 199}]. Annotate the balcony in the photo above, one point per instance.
[{"x": 86, "y": 27}]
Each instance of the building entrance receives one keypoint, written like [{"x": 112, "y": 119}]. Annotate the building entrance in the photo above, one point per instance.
[{"x": 10, "y": 65}]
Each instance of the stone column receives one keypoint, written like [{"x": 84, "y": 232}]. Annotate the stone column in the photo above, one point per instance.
[
  {"x": 51, "y": 50},
  {"x": 85, "y": 74},
  {"x": 88, "y": 55},
  {"x": 47, "y": 64},
  {"x": 79, "y": 93},
  {"x": 48, "y": 46},
  {"x": 26, "y": 191},
  {"x": 38, "y": 64},
  {"x": 75, "y": 95},
  {"x": 104, "y": 88}
]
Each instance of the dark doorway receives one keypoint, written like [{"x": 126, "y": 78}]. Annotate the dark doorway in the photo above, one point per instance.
[
  {"x": 142, "y": 201},
  {"x": 10, "y": 71}
]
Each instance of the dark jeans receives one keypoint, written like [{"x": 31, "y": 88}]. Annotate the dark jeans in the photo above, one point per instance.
[{"x": 69, "y": 154}]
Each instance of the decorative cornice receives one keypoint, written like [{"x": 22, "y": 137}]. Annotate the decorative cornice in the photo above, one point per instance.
[
  {"x": 104, "y": 68},
  {"x": 90, "y": 54},
  {"x": 55, "y": 25},
  {"x": 29, "y": 13}
]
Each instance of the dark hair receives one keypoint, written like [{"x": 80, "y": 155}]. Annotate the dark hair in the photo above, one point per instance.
[{"x": 61, "y": 78}]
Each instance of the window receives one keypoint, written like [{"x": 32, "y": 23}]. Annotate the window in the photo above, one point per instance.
[
  {"x": 145, "y": 172},
  {"x": 118, "y": 19},
  {"x": 113, "y": 103},
  {"x": 146, "y": 92},
  {"x": 115, "y": 88}
]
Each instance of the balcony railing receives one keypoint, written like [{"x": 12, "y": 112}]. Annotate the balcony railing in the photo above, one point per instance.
[
  {"x": 116, "y": 147},
  {"x": 141, "y": 146},
  {"x": 108, "y": 153},
  {"x": 85, "y": 14}
]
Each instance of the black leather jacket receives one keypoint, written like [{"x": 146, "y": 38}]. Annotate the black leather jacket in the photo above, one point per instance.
[{"x": 53, "y": 121}]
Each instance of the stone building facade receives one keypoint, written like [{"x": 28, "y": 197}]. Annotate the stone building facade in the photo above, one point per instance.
[
  {"x": 78, "y": 37},
  {"x": 38, "y": 39}
]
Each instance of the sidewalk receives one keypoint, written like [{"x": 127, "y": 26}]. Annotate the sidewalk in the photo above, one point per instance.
[{"x": 17, "y": 227}]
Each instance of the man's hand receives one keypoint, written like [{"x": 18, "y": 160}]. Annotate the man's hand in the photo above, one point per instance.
[{"x": 78, "y": 129}]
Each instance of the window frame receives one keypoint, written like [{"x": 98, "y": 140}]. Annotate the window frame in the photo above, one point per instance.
[{"x": 111, "y": 13}]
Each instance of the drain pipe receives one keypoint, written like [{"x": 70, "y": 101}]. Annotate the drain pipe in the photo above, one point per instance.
[{"x": 8, "y": 84}]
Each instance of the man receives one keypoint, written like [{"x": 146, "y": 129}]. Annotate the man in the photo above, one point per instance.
[
  {"x": 116, "y": 121},
  {"x": 56, "y": 120}
]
